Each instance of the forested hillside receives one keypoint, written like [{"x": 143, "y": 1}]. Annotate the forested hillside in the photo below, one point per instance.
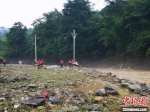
[{"x": 120, "y": 30}]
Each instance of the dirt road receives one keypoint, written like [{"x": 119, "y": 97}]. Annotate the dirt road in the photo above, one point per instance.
[{"x": 135, "y": 75}]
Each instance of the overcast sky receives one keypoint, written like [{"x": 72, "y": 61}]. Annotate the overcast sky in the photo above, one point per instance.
[{"x": 26, "y": 11}]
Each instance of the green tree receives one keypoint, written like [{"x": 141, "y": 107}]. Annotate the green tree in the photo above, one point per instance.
[
  {"x": 76, "y": 14},
  {"x": 16, "y": 40},
  {"x": 48, "y": 28}
]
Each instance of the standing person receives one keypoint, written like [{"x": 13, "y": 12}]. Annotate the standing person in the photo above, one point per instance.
[
  {"x": 41, "y": 63},
  {"x": 20, "y": 64},
  {"x": 38, "y": 64},
  {"x": 61, "y": 63},
  {"x": 4, "y": 62},
  {"x": 69, "y": 63}
]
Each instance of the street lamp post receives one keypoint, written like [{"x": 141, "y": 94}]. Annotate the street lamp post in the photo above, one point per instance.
[
  {"x": 74, "y": 36},
  {"x": 35, "y": 48}
]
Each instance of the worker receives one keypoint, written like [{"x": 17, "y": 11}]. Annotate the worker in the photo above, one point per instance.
[
  {"x": 38, "y": 64},
  {"x": 4, "y": 62},
  {"x": 69, "y": 63},
  {"x": 61, "y": 63}
]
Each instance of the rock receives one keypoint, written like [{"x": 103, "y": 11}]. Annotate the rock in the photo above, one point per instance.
[
  {"x": 42, "y": 85},
  {"x": 91, "y": 93},
  {"x": 123, "y": 80},
  {"x": 22, "y": 79},
  {"x": 124, "y": 84},
  {"x": 106, "y": 109},
  {"x": 104, "y": 103},
  {"x": 148, "y": 91},
  {"x": 109, "y": 73},
  {"x": 52, "y": 67},
  {"x": 2, "y": 80},
  {"x": 143, "y": 93},
  {"x": 72, "y": 109},
  {"x": 134, "y": 87},
  {"x": 101, "y": 92},
  {"x": 98, "y": 99},
  {"x": 51, "y": 106},
  {"x": 113, "y": 75},
  {"x": 95, "y": 107},
  {"x": 16, "y": 106},
  {"x": 40, "y": 107},
  {"x": 53, "y": 100},
  {"x": 35, "y": 102},
  {"x": 103, "y": 75},
  {"x": 2, "y": 99},
  {"x": 78, "y": 102},
  {"x": 31, "y": 86},
  {"x": 76, "y": 92},
  {"x": 79, "y": 80},
  {"x": 32, "y": 94},
  {"x": 137, "y": 91},
  {"x": 87, "y": 107},
  {"x": 145, "y": 88},
  {"x": 111, "y": 90},
  {"x": 10, "y": 79}
]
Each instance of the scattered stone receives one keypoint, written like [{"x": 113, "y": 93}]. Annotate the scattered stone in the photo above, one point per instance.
[
  {"x": 98, "y": 99},
  {"x": 124, "y": 84},
  {"x": 87, "y": 107},
  {"x": 103, "y": 75},
  {"x": 35, "y": 102},
  {"x": 91, "y": 93},
  {"x": 76, "y": 92},
  {"x": 111, "y": 90},
  {"x": 137, "y": 91},
  {"x": 16, "y": 106},
  {"x": 72, "y": 109},
  {"x": 52, "y": 106},
  {"x": 134, "y": 87},
  {"x": 40, "y": 107},
  {"x": 143, "y": 93},
  {"x": 123, "y": 80},
  {"x": 101, "y": 92},
  {"x": 42, "y": 85},
  {"x": 53, "y": 100},
  {"x": 31, "y": 86},
  {"x": 104, "y": 103},
  {"x": 52, "y": 67},
  {"x": 95, "y": 107}
]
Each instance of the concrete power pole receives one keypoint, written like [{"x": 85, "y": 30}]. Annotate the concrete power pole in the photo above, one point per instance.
[
  {"x": 35, "y": 48},
  {"x": 74, "y": 37}
]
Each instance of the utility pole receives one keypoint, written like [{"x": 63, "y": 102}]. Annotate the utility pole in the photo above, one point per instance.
[
  {"x": 74, "y": 37},
  {"x": 35, "y": 48}
]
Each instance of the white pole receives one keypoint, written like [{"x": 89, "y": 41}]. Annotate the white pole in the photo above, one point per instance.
[
  {"x": 35, "y": 50},
  {"x": 74, "y": 36}
]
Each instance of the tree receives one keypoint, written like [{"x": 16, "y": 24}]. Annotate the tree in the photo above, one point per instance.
[
  {"x": 48, "y": 28},
  {"x": 16, "y": 40},
  {"x": 76, "y": 14}
]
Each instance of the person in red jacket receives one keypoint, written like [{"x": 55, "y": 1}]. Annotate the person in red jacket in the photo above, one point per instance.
[
  {"x": 69, "y": 63},
  {"x": 38, "y": 64},
  {"x": 41, "y": 63},
  {"x": 61, "y": 63},
  {"x": 4, "y": 62}
]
